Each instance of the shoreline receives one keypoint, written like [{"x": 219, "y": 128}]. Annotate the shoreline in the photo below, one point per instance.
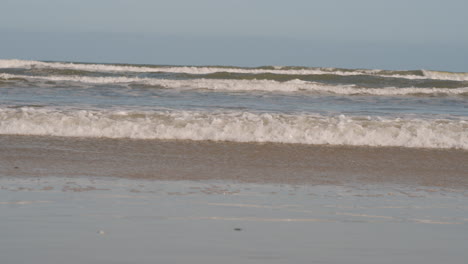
[{"x": 40, "y": 156}]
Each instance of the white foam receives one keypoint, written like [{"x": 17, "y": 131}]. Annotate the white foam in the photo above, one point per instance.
[
  {"x": 170, "y": 69},
  {"x": 439, "y": 75},
  {"x": 28, "y": 64},
  {"x": 236, "y": 126},
  {"x": 247, "y": 85}
]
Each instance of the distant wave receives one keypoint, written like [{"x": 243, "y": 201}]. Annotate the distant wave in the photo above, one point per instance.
[
  {"x": 202, "y": 70},
  {"x": 236, "y": 126},
  {"x": 245, "y": 85}
]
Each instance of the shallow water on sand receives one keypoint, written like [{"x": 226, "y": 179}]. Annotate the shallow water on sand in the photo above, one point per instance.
[
  {"x": 109, "y": 220},
  {"x": 243, "y": 162}
]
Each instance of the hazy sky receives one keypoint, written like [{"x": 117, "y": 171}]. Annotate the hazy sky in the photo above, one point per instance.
[{"x": 397, "y": 34}]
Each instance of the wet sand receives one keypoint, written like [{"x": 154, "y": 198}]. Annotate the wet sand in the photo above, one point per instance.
[
  {"x": 116, "y": 220},
  {"x": 82, "y": 200},
  {"x": 37, "y": 156}
]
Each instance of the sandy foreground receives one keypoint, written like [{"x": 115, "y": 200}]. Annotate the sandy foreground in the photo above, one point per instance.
[{"x": 123, "y": 201}]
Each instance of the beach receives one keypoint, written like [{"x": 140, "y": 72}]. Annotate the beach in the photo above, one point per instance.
[{"x": 144, "y": 201}]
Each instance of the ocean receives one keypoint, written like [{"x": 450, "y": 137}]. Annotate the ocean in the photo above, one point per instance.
[{"x": 271, "y": 104}]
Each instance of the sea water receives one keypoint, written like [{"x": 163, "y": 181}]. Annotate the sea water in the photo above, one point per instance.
[{"x": 358, "y": 107}]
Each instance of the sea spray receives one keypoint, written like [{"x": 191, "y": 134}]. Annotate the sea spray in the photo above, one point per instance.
[{"x": 237, "y": 127}]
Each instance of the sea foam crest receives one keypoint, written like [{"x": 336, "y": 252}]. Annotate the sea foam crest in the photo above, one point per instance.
[
  {"x": 440, "y": 75},
  {"x": 246, "y": 85},
  {"x": 173, "y": 69},
  {"x": 237, "y": 127},
  {"x": 209, "y": 70}
]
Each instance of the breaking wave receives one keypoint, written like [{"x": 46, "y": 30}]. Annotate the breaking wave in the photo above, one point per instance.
[
  {"x": 245, "y": 85},
  {"x": 440, "y": 75},
  {"x": 202, "y": 70},
  {"x": 237, "y": 127}
]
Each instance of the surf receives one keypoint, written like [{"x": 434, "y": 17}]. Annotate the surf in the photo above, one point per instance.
[
  {"x": 237, "y": 126},
  {"x": 203, "y": 70},
  {"x": 240, "y": 85}
]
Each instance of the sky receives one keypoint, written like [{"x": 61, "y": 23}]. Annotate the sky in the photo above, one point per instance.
[{"x": 397, "y": 34}]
